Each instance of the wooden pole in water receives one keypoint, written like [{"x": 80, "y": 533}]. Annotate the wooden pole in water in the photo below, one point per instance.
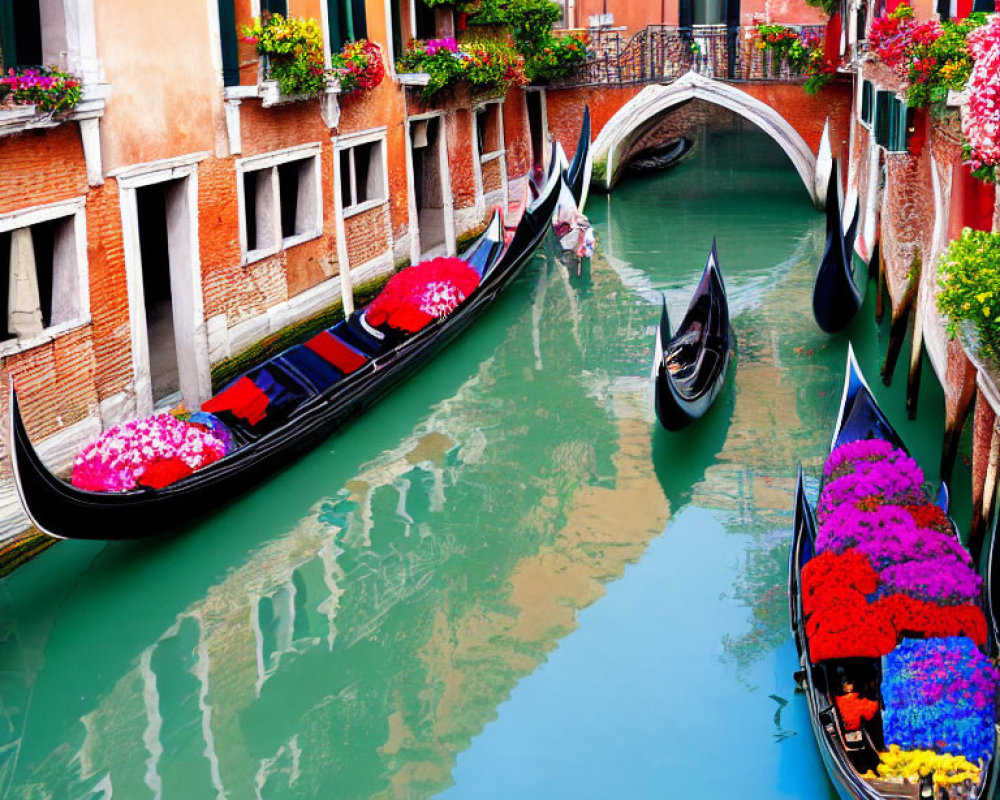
[
  {"x": 983, "y": 512},
  {"x": 916, "y": 362},
  {"x": 901, "y": 321},
  {"x": 879, "y": 283}
]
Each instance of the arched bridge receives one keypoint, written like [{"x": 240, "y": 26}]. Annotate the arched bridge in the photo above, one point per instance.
[{"x": 631, "y": 89}]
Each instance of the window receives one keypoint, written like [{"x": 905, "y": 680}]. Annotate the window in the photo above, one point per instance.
[
  {"x": 347, "y": 22},
  {"x": 489, "y": 137},
  {"x": 21, "y": 34},
  {"x": 280, "y": 201},
  {"x": 363, "y": 181},
  {"x": 42, "y": 270},
  {"x": 892, "y": 122},
  {"x": 867, "y": 102}
]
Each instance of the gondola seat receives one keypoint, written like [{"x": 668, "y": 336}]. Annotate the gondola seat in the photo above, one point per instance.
[{"x": 354, "y": 333}]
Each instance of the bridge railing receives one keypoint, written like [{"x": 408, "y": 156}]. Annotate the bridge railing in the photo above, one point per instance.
[{"x": 662, "y": 53}]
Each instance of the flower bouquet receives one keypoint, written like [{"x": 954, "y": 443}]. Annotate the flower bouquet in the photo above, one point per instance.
[
  {"x": 46, "y": 87},
  {"x": 152, "y": 451},
  {"x": 419, "y": 294}
]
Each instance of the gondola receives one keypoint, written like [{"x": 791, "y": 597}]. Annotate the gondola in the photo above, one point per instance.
[
  {"x": 578, "y": 172},
  {"x": 61, "y": 510},
  {"x": 836, "y": 296},
  {"x": 660, "y": 157},
  {"x": 851, "y": 754},
  {"x": 689, "y": 368}
]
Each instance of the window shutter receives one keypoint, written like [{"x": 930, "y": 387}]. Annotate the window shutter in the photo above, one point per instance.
[
  {"x": 338, "y": 24},
  {"x": 275, "y": 7},
  {"x": 883, "y": 117},
  {"x": 359, "y": 27},
  {"x": 867, "y": 95},
  {"x": 903, "y": 118},
  {"x": 230, "y": 50},
  {"x": 8, "y": 42}
]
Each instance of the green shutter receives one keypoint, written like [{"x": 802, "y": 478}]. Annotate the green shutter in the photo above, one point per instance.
[
  {"x": 903, "y": 118},
  {"x": 359, "y": 20},
  {"x": 338, "y": 24},
  {"x": 275, "y": 7},
  {"x": 8, "y": 41},
  {"x": 230, "y": 50},
  {"x": 883, "y": 117},
  {"x": 867, "y": 96}
]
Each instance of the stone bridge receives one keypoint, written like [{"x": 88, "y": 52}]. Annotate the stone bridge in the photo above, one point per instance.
[{"x": 622, "y": 114}]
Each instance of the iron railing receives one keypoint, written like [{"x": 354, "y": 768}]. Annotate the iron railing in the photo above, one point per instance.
[{"x": 662, "y": 53}]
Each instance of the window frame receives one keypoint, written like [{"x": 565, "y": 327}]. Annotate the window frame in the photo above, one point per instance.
[
  {"x": 74, "y": 212},
  {"x": 866, "y": 112},
  {"x": 271, "y": 161},
  {"x": 349, "y": 143}
]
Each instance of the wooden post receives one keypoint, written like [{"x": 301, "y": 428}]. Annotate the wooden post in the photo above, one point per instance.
[
  {"x": 879, "y": 283},
  {"x": 916, "y": 363},
  {"x": 901, "y": 321},
  {"x": 982, "y": 513},
  {"x": 953, "y": 431}
]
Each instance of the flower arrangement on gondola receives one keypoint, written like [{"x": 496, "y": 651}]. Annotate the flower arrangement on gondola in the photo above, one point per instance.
[
  {"x": 153, "y": 452},
  {"x": 891, "y": 580},
  {"x": 417, "y": 295}
]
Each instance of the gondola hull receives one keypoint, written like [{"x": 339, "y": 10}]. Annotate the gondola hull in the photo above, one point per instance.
[
  {"x": 661, "y": 157},
  {"x": 859, "y": 418},
  {"x": 63, "y": 511},
  {"x": 686, "y": 392},
  {"x": 836, "y": 296}
]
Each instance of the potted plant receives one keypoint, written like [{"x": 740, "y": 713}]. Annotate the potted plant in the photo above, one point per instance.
[{"x": 292, "y": 50}]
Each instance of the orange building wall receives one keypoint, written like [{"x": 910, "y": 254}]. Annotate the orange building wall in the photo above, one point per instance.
[{"x": 166, "y": 99}]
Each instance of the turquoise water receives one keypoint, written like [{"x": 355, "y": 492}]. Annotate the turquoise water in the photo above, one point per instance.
[{"x": 504, "y": 580}]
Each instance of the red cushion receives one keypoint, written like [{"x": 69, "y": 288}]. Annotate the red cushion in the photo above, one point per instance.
[
  {"x": 164, "y": 472},
  {"x": 336, "y": 352},
  {"x": 243, "y": 398}
]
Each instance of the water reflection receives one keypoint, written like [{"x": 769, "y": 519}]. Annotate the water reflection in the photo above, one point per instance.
[{"x": 383, "y": 611}]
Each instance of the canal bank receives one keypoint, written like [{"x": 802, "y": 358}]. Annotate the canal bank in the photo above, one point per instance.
[{"x": 504, "y": 576}]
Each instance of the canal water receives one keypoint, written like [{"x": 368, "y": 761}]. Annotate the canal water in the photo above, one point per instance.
[{"x": 504, "y": 580}]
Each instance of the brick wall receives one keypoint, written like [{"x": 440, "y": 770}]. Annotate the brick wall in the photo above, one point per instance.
[{"x": 367, "y": 235}]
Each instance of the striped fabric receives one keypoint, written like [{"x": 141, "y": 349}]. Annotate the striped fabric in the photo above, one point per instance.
[{"x": 337, "y": 352}]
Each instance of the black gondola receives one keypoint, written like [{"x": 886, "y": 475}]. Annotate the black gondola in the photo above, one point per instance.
[
  {"x": 661, "y": 156},
  {"x": 577, "y": 174},
  {"x": 61, "y": 510},
  {"x": 836, "y": 296},
  {"x": 689, "y": 369},
  {"x": 847, "y": 756}
]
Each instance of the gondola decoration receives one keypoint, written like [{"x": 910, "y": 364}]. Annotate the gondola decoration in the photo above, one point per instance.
[
  {"x": 280, "y": 409},
  {"x": 690, "y": 367},
  {"x": 887, "y": 615}
]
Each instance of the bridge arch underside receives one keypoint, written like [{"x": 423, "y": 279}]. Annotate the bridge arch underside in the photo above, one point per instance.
[{"x": 644, "y": 111}]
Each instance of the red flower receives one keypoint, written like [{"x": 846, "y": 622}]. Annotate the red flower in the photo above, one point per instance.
[{"x": 404, "y": 304}]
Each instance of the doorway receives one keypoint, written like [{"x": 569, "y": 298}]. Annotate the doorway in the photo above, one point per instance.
[
  {"x": 535, "y": 101},
  {"x": 170, "y": 361},
  {"x": 431, "y": 188},
  {"x": 154, "y": 253}
]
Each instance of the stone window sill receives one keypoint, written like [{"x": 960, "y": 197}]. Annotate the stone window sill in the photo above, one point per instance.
[
  {"x": 17, "y": 119},
  {"x": 412, "y": 78},
  {"x": 10, "y": 347},
  {"x": 269, "y": 94}
]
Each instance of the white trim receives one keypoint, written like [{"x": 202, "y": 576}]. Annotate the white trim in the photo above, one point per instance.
[
  {"x": 343, "y": 141},
  {"x": 417, "y": 249},
  {"x": 271, "y": 161},
  {"x": 349, "y": 142},
  {"x": 33, "y": 215},
  {"x": 136, "y": 175}
]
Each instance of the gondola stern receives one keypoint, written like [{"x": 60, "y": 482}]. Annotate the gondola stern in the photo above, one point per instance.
[{"x": 23, "y": 456}]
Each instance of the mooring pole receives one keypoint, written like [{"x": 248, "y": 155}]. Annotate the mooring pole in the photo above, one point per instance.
[
  {"x": 955, "y": 420},
  {"x": 984, "y": 512},
  {"x": 879, "y": 283},
  {"x": 916, "y": 363},
  {"x": 901, "y": 321}
]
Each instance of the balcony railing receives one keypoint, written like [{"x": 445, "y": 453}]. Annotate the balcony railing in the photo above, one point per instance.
[{"x": 662, "y": 53}]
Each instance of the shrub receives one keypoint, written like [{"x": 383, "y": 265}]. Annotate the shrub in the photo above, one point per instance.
[
  {"x": 294, "y": 49},
  {"x": 969, "y": 276}
]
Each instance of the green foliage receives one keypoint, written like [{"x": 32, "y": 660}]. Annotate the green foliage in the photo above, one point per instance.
[
  {"x": 45, "y": 87},
  {"x": 969, "y": 276},
  {"x": 488, "y": 65},
  {"x": 815, "y": 82},
  {"x": 942, "y": 64},
  {"x": 828, "y": 7},
  {"x": 486, "y": 12},
  {"x": 530, "y": 23},
  {"x": 294, "y": 49},
  {"x": 560, "y": 57}
]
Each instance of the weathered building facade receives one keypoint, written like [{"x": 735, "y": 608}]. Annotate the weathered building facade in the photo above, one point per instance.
[{"x": 184, "y": 211}]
